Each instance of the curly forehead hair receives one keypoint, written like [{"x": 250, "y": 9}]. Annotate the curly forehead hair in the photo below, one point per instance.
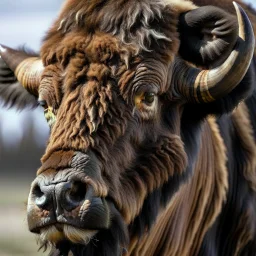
[
  {"x": 85, "y": 56},
  {"x": 91, "y": 95},
  {"x": 131, "y": 22}
]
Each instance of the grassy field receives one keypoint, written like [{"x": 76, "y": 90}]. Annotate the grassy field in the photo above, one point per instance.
[{"x": 15, "y": 239}]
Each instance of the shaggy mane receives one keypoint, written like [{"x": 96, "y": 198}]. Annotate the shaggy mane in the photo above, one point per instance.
[{"x": 142, "y": 24}]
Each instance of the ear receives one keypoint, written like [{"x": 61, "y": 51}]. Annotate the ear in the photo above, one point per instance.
[
  {"x": 12, "y": 93},
  {"x": 207, "y": 35},
  {"x": 222, "y": 53}
]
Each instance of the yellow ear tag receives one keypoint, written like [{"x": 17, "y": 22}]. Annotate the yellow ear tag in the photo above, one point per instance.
[{"x": 50, "y": 116}]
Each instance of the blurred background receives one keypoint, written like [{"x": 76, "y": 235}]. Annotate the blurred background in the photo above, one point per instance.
[{"x": 23, "y": 135}]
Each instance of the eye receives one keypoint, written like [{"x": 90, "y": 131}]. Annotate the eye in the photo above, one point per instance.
[
  {"x": 43, "y": 103},
  {"x": 149, "y": 97},
  {"x": 146, "y": 98},
  {"x": 146, "y": 102}
]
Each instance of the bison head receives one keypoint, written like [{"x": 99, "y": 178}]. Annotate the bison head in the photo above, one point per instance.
[{"x": 116, "y": 83}]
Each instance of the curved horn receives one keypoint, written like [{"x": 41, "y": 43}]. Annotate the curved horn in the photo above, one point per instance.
[
  {"x": 27, "y": 69},
  {"x": 201, "y": 86}
]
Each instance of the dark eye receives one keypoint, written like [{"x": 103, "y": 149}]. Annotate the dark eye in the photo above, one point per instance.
[
  {"x": 149, "y": 97},
  {"x": 42, "y": 103}
]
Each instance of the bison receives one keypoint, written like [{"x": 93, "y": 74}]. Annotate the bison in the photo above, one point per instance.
[{"x": 151, "y": 107}]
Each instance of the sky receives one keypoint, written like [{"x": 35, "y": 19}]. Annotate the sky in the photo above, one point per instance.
[
  {"x": 24, "y": 22},
  {"x": 253, "y": 2}
]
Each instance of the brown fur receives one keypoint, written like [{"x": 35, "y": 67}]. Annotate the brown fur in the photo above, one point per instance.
[
  {"x": 244, "y": 128},
  {"x": 93, "y": 71},
  {"x": 196, "y": 204}
]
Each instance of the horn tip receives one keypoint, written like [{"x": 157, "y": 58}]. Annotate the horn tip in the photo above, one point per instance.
[
  {"x": 245, "y": 26},
  {"x": 2, "y": 48},
  {"x": 238, "y": 7},
  {"x": 234, "y": 3},
  {"x": 239, "y": 10}
]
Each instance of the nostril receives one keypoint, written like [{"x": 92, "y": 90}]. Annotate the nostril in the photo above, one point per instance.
[
  {"x": 40, "y": 197},
  {"x": 77, "y": 192},
  {"x": 74, "y": 195},
  {"x": 37, "y": 191}
]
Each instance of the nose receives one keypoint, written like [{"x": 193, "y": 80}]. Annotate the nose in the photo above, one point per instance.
[{"x": 66, "y": 195}]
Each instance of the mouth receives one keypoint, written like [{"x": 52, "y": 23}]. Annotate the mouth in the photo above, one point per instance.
[
  {"x": 107, "y": 232},
  {"x": 56, "y": 233}
]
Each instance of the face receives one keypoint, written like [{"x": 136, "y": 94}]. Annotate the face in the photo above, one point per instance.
[{"x": 111, "y": 141}]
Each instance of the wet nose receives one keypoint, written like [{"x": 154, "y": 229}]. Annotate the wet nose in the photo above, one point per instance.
[{"x": 66, "y": 195}]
